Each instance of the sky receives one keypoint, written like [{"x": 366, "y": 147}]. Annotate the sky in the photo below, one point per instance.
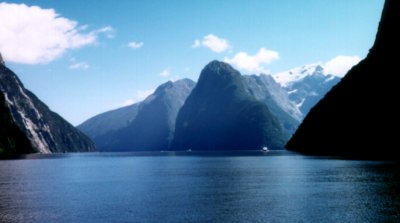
[{"x": 83, "y": 58}]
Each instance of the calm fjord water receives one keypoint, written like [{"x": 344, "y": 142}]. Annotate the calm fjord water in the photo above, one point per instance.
[{"x": 277, "y": 187}]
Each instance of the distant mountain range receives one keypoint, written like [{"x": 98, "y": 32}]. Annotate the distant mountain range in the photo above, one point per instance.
[
  {"x": 147, "y": 125},
  {"x": 153, "y": 124},
  {"x": 358, "y": 118},
  {"x": 225, "y": 111},
  {"x": 47, "y": 131}
]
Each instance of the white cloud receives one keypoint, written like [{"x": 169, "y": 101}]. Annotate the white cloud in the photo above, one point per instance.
[
  {"x": 128, "y": 102},
  {"x": 166, "y": 72},
  {"x": 196, "y": 44},
  {"x": 253, "y": 63},
  {"x": 212, "y": 42},
  {"x": 135, "y": 45},
  {"x": 80, "y": 65},
  {"x": 340, "y": 65},
  {"x": 107, "y": 30},
  {"x": 32, "y": 35},
  {"x": 140, "y": 95}
]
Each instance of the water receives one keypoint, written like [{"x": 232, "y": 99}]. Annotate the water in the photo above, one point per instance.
[{"x": 278, "y": 187}]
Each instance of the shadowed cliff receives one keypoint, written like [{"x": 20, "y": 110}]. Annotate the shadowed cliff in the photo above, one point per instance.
[
  {"x": 358, "y": 118},
  {"x": 12, "y": 139},
  {"x": 220, "y": 114}
]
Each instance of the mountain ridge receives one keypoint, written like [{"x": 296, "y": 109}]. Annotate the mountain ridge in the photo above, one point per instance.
[{"x": 47, "y": 131}]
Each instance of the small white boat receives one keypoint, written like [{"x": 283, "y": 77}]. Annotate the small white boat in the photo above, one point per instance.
[{"x": 265, "y": 149}]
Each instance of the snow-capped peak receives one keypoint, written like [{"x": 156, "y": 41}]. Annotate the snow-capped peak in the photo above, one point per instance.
[{"x": 287, "y": 77}]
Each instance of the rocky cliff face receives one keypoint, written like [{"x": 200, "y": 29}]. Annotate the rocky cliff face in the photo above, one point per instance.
[
  {"x": 266, "y": 90},
  {"x": 221, "y": 114},
  {"x": 46, "y": 130},
  {"x": 12, "y": 139},
  {"x": 358, "y": 117}
]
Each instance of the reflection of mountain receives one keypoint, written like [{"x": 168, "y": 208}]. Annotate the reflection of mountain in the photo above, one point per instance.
[
  {"x": 46, "y": 130},
  {"x": 221, "y": 114},
  {"x": 306, "y": 85},
  {"x": 148, "y": 125},
  {"x": 359, "y": 117}
]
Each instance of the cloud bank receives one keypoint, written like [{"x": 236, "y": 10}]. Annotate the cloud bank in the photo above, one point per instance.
[
  {"x": 166, "y": 72},
  {"x": 135, "y": 45},
  {"x": 212, "y": 42},
  {"x": 79, "y": 66},
  {"x": 32, "y": 35},
  {"x": 340, "y": 65},
  {"x": 139, "y": 96},
  {"x": 253, "y": 63}
]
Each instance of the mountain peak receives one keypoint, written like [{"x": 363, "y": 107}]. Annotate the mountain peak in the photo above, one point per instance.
[
  {"x": 219, "y": 68},
  {"x": 221, "y": 114},
  {"x": 181, "y": 83},
  {"x": 216, "y": 64},
  {"x": 319, "y": 69},
  {"x": 288, "y": 77},
  {"x": 218, "y": 74}
]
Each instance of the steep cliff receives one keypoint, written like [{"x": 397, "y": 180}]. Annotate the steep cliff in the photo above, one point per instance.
[{"x": 359, "y": 117}]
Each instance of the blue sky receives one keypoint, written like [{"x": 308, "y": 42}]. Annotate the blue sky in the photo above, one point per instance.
[{"x": 86, "y": 57}]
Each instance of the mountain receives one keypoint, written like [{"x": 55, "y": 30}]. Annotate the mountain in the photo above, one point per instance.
[
  {"x": 148, "y": 125},
  {"x": 46, "y": 130},
  {"x": 98, "y": 127},
  {"x": 12, "y": 139},
  {"x": 306, "y": 85},
  {"x": 1, "y": 60},
  {"x": 221, "y": 114},
  {"x": 359, "y": 117},
  {"x": 265, "y": 89}
]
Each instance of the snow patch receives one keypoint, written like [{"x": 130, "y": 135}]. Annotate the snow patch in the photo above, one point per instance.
[
  {"x": 34, "y": 129},
  {"x": 286, "y": 78},
  {"x": 301, "y": 103},
  {"x": 38, "y": 115},
  {"x": 329, "y": 79},
  {"x": 9, "y": 102}
]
